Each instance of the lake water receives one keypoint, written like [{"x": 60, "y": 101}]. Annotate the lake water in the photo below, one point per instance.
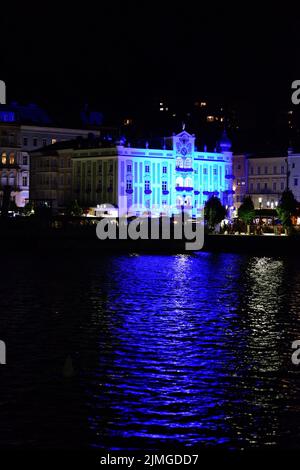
[{"x": 193, "y": 350}]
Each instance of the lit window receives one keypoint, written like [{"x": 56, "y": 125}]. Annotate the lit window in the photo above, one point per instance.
[
  {"x": 188, "y": 163},
  {"x": 179, "y": 162},
  {"x": 179, "y": 182},
  {"x": 3, "y": 158},
  {"x": 210, "y": 118},
  {"x": 11, "y": 159},
  {"x": 53, "y": 141},
  {"x": 188, "y": 183}
]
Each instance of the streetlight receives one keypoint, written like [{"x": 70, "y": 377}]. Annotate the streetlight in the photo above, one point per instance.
[{"x": 260, "y": 205}]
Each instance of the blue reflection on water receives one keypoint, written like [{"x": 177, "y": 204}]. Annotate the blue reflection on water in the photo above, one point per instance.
[{"x": 193, "y": 353}]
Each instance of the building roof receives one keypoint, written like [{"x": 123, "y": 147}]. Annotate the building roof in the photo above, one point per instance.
[{"x": 75, "y": 144}]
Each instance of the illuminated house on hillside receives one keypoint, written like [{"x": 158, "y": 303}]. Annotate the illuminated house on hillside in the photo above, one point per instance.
[{"x": 156, "y": 181}]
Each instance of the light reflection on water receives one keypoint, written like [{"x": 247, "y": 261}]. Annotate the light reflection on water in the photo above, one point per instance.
[{"x": 187, "y": 349}]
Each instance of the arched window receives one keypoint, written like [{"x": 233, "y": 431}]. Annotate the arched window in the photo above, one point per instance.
[
  {"x": 179, "y": 181},
  {"x": 3, "y": 158},
  {"x": 188, "y": 182},
  {"x": 11, "y": 158},
  {"x": 188, "y": 163},
  {"x": 179, "y": 162},
  {"x": 179, "y": 201}
]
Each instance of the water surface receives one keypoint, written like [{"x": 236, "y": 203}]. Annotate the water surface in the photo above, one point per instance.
[{"x": 191, "y": 350}]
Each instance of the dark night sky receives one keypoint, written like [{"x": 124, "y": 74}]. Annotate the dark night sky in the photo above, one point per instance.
[{"x": 121, "y": 55}]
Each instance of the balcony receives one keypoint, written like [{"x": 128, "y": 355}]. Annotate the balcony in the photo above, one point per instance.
[
  {"x": 129, "y": 191},
  {"x": 211, "y": 193},
  {"x": 148, "y": 191},
  {"x": 184, "y": 188},
  {"x": 180, "y": 168},
  {"x": 230, "y": 177},
  {"x": 165, "y": 192},
  {"x": 196, "y": 192}
]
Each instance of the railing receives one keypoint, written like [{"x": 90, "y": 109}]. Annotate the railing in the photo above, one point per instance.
[
  {"x": 180, "y": 168},
  {"x": 184, "y": 188},
  {"x": 211, "y": 193}
]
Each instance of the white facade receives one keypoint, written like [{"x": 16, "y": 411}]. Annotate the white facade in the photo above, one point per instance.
[
  {"x": 153, "y": 180},
  {"x": 294, "y": 173},
  {"x": 267, "y": 179},
  {"x": 30, "y": 138}
]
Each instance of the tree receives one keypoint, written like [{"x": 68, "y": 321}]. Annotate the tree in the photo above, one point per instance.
[
  {"x": 246, "y": 212},
  {"x": 74, "y": 209},
  {"x": 28, "y": 208},
  {"x": 286, "y": 208},
  {"x": 214, "y": 212}
]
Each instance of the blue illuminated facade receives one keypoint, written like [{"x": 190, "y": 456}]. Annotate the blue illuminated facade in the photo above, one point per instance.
[
  {"x": 164, "y": 180},
  {"x": 135, "y": 180}
]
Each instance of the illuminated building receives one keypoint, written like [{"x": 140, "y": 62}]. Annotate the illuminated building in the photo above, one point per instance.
[
  {"x": 265, "y": 178},
  {"x": 24, "y": 128},
  {"x": 240, "y": 181},
  {"x": 166, "y": 180}
]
